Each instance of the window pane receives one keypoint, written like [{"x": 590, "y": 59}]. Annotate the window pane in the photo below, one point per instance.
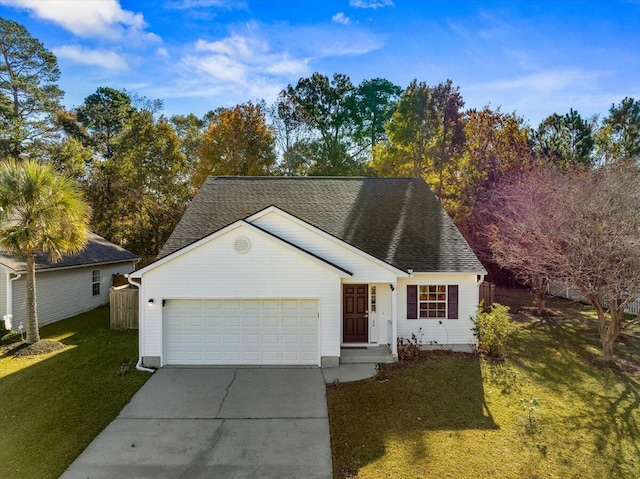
[{"x": 432, "y": 300}]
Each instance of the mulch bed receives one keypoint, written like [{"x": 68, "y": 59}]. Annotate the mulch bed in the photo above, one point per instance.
[{"x": 23, "y": 349}]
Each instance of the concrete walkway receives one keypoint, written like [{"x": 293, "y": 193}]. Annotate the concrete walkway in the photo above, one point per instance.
[
  {"x": 346, "y": 373},
  {"x": 217, "y": 423}
]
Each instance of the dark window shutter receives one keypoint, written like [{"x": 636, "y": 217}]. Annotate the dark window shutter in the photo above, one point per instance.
[
  {"x": 412, "y": 301},
  {"x": 452, "y": 301}
]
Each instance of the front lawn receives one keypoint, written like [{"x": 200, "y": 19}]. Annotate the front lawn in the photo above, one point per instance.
[
  {"x": 53, "y": 405},
  {"x": 459, "y": 416}
]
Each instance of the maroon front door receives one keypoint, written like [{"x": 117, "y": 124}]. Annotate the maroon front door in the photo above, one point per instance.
[{"x": 355, "y": 317}]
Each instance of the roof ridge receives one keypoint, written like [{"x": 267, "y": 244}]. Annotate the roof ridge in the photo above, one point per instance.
[{"x": 249, "y": 178}]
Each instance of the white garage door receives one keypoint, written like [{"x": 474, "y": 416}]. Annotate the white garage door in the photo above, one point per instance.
[{"x": 256, "y": 332}]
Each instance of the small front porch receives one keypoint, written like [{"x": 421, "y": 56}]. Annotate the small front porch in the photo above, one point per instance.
[
  {"x": 366, "y": 355},
  {"x": 369, "y": 324}
]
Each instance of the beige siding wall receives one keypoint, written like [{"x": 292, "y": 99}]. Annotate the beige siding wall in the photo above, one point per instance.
[{"x": 65, "y": 293}]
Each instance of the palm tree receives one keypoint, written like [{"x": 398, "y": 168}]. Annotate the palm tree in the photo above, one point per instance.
[{"x": 41, "y": 212}]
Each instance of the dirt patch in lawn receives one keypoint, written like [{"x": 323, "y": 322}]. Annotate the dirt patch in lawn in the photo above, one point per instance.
[{"x": 23, "y": 349}]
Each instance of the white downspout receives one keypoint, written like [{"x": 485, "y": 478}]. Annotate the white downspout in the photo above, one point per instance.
[
  {"x": 10, "y": 281},
  {"x": 139, "y": 365},
  {"x": 394, "y": 321}
]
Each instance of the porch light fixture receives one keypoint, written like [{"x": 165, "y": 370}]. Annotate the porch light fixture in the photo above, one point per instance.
[
  {"x": 392, "y": 287},
  {"x": 150, "y": 302}
]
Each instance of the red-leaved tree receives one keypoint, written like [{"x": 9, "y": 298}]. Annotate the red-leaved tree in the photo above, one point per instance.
[{"x": 579, "y": 226}]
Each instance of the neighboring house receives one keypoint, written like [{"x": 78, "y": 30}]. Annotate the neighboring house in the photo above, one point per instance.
[
  {"x": 75, "y": 284},
  {"x": 288, "y": 270}
]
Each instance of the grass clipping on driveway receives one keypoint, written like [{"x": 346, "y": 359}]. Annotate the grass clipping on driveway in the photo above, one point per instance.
[
  {"x": 548, "y": 411},
  {"x": 54, "y": 404}
]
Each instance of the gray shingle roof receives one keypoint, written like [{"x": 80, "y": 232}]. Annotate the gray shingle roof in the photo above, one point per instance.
[
  {"x": 397, "y": 220},
  {"x": 97, "y": 251}
]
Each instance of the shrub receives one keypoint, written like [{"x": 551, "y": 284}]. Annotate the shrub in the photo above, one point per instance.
[
  {"x": 493, "y": 329},
  {"x": 408, "y": 349}
]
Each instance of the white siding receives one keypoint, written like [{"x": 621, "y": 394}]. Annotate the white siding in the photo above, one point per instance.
[
  {"x": 442, "y": 331},
  {"x": 364, "y": 270},
  {"x": 383, "y": 314},
  {"x": 3, "y": 293},
  {"x": 64, "y": 293},
  {"x": 269, "y": 270}
]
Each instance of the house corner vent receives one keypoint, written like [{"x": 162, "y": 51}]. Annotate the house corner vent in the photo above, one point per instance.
[{"x": 241, "y": 245}]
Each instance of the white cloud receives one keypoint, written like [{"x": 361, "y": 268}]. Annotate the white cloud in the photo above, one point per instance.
[
  {"x": 327, "y": 41},
  {"x": 371, "y": 3},
  {"x": 163, "y": 52},
  {"x": 92, "y": 19},
  {"x": 536, "y": 95},
  {"x": 242, "y": 59},
  {"x": 258, "y": 61},
  {"x": 239, "y": 66},
  {"x": 552, "y": 80},
  {"x": 340, "y": 18},
  {"x": 103, "y": 58}
]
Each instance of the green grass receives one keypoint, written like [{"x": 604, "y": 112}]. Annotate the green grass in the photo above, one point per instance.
[
  {"x": 53, "y": 405},
  {"x": 459, "y": 416}
]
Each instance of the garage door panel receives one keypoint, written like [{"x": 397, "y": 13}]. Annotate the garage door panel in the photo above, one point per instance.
[
  {"x": 232, "y": 305},
  {"x": 290, "y": 356},
  {"x": 290, "y": 321},
  {"x": 270, "y": 339},
  {"x": 271, "y": 356},
  {"x": 249, "y": 321},
  {"x": 266, "y": 332},
  {"x": 213, "y": 357},
  {"x": 308, "y": 304},
  {"x": 232, "y": 321}
]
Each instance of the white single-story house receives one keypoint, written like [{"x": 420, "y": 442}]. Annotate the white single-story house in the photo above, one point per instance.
[
  {"x": 289, "y": 270},
  {"x": 75, "y": 284}
]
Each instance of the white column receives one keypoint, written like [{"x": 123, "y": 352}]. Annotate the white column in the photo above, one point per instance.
[{"x": 394, "y": 320}]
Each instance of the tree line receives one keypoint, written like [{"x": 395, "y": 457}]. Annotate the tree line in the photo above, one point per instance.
[{"x": 139, "y": 168}]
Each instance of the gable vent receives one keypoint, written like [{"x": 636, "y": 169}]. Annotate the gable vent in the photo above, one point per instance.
[{"x": 241, "y": 245}]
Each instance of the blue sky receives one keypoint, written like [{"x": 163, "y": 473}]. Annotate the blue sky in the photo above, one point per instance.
[{"x": 535, "y": 58}]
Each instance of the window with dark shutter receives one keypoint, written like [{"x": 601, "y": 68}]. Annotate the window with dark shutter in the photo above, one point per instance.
[
  {"x": 412, "y": 301},
  {"x": 452, "y": 301}
]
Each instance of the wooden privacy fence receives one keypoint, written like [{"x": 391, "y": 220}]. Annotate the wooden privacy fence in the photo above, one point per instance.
[
  {"x": 123, "y": 301},
  {"x": 487, "y": 295}
]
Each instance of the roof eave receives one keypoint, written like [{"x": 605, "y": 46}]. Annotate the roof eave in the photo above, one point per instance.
[
  {"x": 269, "y": 209},
  {"x": 342, "y": 272}
]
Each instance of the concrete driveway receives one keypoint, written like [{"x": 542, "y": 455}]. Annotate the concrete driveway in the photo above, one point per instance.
[{"x": 217, "y": 423}]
